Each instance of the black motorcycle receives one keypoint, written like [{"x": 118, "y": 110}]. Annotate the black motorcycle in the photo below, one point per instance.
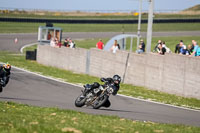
[
  {"x": 96, "y": 97},
  {"x": 2, "y": 84}
]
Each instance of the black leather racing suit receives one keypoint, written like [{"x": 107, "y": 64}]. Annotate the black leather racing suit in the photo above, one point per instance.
[
  {"x": 4, "y": 75},
  {"x": 113, "y": 85}
]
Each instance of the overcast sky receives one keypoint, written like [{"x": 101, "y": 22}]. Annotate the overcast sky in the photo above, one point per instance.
[{"x": 97, "y": 5}]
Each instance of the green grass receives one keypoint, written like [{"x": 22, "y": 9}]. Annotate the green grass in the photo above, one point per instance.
[
  {"x": 135, "y": 91},
  {"x": 18, "y": 118},
  {"x": 17, "y": 27}
]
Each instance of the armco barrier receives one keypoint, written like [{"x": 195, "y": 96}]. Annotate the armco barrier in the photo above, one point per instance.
[{"x": 170, "y": 73}]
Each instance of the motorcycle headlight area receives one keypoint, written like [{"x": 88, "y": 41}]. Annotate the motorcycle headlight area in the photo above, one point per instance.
[
  {"x": 110, "y": 90},
  {"x": 96, "y": 90}
]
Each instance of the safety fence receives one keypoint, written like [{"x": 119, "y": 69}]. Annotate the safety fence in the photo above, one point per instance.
[{"x": 97, "y": 21}]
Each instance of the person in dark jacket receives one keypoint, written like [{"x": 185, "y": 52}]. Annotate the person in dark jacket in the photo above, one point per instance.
[
  {"x": 4, "y": 74},
  {"x": 114, "y": 82},
  {"x": 178, "y": 47}
]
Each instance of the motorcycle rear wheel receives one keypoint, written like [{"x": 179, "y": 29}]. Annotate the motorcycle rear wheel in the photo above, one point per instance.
[{"x": 100, "y": 101}]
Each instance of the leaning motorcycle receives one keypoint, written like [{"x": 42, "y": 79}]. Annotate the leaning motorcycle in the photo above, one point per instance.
[
  {"x": 2, "y": 84},
  {"x": 94, "y": 97}
]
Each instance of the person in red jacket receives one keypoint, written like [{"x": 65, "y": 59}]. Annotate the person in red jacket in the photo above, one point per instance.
[{"x": 100, "y": 44}]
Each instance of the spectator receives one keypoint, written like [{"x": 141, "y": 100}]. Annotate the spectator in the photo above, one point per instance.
[
  {"x": 115, "y": 47},
  {"x": 167, "y": 49},
  {"x": 49, "y": 36},
  {"x": 196, "y": 51},
  {"x": 66, "y": 43},
  {"x": 56, "y": 40},
  {"x": 161, "y": 49},
  {"x": 182, "y": 48},
  {"x": 188, "y": 50},
  {"x": 141, "y": 47},
  {"x": 159, "y": 42},
  {"x": 177, "y": 48},
  {"x": 100, "y": 44},
  {"x": 59, "y": 44},
  {"x": 192, "y": 47},
  {"x": 71, "y": 44},
  {"x": 52, "y": 42}
]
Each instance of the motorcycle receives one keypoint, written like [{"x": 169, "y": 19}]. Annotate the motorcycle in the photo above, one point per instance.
[
  {"x": 96, "y": 97},
  {"x": 2, "y": 83}
]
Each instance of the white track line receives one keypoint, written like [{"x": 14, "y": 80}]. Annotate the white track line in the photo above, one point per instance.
[
  {"x": 22, "y": 48},
  {"x": 58, "y": 80}
]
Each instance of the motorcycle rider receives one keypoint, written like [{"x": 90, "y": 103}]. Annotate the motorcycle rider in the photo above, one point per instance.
[
  {"x": 5, "y": 73},
  {"x": 113, "y": 82}
]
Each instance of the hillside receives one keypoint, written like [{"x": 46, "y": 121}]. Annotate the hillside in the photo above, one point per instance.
[{"x": 194, "y": 8}]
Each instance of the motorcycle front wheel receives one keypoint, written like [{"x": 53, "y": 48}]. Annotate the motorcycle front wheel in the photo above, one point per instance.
[{"x": 80, "y": 101}]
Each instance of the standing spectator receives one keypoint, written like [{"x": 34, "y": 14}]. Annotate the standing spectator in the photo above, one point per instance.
[
  {"x": 100, "y": 44},
  {"x": 52, "y": 42},
  {"x": 141, "y": 47},
  {"x": 115, "y": 47},
  {"x": 177, "y": 48},
  {"x": 49, "y": 36}
]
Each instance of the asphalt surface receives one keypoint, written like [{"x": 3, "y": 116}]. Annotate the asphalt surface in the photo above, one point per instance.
[{"x": 32, "y": 89}]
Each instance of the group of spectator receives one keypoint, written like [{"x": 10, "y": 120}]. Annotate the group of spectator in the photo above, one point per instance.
[
  {"x": 54, "y": 42},
  {"x": 67, "y": 43},
  {"x": 161, "y": 48},
  {"x": 114, "y": 48},
  {"x": 191, "y": 50}
]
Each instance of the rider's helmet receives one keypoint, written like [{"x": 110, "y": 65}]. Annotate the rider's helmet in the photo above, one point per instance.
[
  {"x": 117, "y": 79},
  {"x": 7, "y": 66}
]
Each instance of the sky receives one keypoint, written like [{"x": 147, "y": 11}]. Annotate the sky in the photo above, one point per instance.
[{"x": 94, "y": 5}]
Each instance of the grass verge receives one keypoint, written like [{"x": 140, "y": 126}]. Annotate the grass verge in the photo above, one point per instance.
[{"x": 17, "y": 118}]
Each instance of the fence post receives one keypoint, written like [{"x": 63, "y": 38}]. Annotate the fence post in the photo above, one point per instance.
[
  {"x": 126, "y": 65},
  {"x": 87, "y": 71}
]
